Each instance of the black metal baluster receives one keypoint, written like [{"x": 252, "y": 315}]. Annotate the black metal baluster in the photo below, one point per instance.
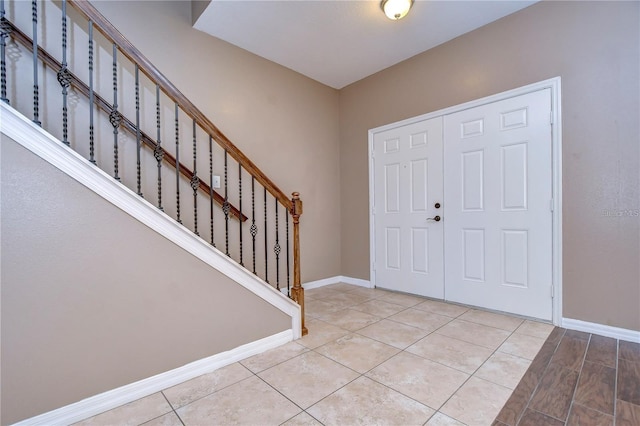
[
  {"x": 288, "y": 264},
  {"x": 266, "y": 250},
  {"x": 5, "y": 29},
  {"x": 277, "y": 248},
  {"x": 226, "y": 207},
  {"x": 114, "y": 117},
  {"x": 158, "y": 152},
  {"x": 64, "y": 77},
  {"x": 254, "y": 228},
  {"x": 211, "y": 187},
  {"x": 240, "y": 207},
  {"x": 177, "y": 166},
  {"x": 36, "y": 97},
  {"x": 195, "y": 182},
  {"x": 91, "y": 96},
  {"x": 138, "y": 135}
]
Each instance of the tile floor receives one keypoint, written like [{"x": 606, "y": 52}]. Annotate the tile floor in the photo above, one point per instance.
[
  {"x": 578, "y": 379},
  {"x": 371, "y": 357}
]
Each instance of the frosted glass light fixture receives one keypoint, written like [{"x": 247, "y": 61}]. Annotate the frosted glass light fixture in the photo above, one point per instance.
[{"x": 396, "y": 9}]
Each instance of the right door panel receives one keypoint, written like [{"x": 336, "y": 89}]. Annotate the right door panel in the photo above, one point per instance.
[{"x": 497, "y": 194}]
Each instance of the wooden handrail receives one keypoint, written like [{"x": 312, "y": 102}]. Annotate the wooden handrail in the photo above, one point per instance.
[
  {"x": 135, "y": 56},
  {"x": 101, "y": 103}
]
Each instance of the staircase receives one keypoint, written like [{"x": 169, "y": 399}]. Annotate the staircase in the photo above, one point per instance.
[{"x": 98, "y": 102}]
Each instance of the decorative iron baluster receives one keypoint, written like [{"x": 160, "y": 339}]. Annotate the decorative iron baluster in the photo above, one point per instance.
[
  {"x": 114, "y": 117},
  {"x": 92, "y": 158},
  {"x": 254, "y": 228},
  {"x": 277, "y": 248},
  {"x": 226, "y": 207},
  {"x": 5, "y": 30},
  {"x": 266, "y": 250},
  {"x": 158, "y": 152},
  {"x": 64, "y": 76},
  {"x": 177, "y": 165},
  {"x": 195, "y": 182},
  {"x": 138, "y": 135},
  {"x": 240, "y": 207},
  {"x": 36, "y": 97},
  {"x": 211, "y": 188},
  {"x": 288, "y": 264}
]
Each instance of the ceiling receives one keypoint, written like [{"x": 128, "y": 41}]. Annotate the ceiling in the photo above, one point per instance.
[{"x": 338, "y": 42}]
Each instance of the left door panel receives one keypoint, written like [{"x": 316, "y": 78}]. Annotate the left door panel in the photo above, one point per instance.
[{"x": 407, "y": 187}]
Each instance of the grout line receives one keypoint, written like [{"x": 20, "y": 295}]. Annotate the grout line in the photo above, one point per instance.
[{"x": 172, "y": 408}]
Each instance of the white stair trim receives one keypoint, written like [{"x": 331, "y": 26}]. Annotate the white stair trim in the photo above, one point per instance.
[
  {"x": 44, "y": 145},
  {"x": 111, "y": 399}
]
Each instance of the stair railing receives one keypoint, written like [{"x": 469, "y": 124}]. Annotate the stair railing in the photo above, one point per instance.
[{"x": 135, "y": 84}]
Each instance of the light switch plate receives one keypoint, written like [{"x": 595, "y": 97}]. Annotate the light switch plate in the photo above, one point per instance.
[{"x": 216, "y": 181}]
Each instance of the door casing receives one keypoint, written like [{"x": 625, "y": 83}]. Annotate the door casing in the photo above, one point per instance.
[{"x": 556, "y": 139}]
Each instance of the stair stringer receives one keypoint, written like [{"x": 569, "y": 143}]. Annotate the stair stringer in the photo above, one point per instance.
[{"x": 44, "y": 145}]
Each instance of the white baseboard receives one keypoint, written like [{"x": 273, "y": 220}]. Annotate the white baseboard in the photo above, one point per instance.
[
  {"x": 123, "y": 395},
  {"x": 335, "y": 280},
  {"x": 602, "y": 330}
]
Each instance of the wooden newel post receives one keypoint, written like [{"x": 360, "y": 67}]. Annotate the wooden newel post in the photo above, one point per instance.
[{"x": 297, "y": 292}]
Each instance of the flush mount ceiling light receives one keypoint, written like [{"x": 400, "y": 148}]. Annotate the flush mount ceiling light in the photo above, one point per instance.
[{"x": 396, "y": 9}]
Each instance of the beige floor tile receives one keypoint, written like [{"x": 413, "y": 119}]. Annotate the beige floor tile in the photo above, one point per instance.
[
  {"x": 302, "y": 419},
  {"x": 169, "y": 419},
  {"x": 365, "y": 402},
  {"x": 133, "y": 413},
  {"x": 442, "y": 308},
  {"x": 201, "y": 386},
  {"x": 425, "y": 381},
  {"x": 503, "y": 322},
  {"x": 364, "y": 291},
  {"x": 477, "y": 402},
  {"x": 503, "y": 369},
  {"x": 451, "y": 352},
  {"x": 422, "y": 319},
  {"x": 350, "y": 297},
  {"x": 308, "y": 378},
  {"x": 249, "y": 402},
  {"x": 522, "y": 345},
  {"x": 440, "y": 419},
  {"x": 357, "y": 352},
  {"x": 379, "y": 308},
  {"x": 273, "y": 356},
  {"x": 350, "y": 319},
  {"x": 320, "y": 292},
  {"x": 535, "y": 329},
  {"x": 393, "y": 333},
  {"x": 317, "y": 308},
  {"x": 478, "y": 334},
  {"x": 400, "y": 298},
  {"x": 320, "y": 333}
]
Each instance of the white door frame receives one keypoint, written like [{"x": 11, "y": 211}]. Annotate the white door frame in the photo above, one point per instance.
[{"x": 556, "y": 140}]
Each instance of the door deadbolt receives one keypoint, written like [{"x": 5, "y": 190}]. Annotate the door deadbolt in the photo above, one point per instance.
[{"x": 437, "y": 205}]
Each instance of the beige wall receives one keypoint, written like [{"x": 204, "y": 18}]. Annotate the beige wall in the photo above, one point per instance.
[
  {"x": 285, "y": 122},
  {"x": 92, "y": 299},
  {"x": 595, "y": 48}
]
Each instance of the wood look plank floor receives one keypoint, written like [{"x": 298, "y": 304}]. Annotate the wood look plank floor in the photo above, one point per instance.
[{"x": 578, "y": 379}]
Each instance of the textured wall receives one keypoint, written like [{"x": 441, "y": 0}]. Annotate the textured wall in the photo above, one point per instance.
[
  {"x": 595, "y": 48},
  {"x": 92, "y": 299}
]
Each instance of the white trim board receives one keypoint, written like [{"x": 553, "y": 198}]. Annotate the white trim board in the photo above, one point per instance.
[
  {"x": 554, "y": 85},
  {"x": 44, "y": 145},
  {"x": 106, "y": 401},
  {"x": 602, "y": 330},
  {"x": 335, "y": 280}
]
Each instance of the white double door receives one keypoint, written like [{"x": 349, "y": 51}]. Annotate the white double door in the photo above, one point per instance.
[{"x": 486, "y": 173}]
